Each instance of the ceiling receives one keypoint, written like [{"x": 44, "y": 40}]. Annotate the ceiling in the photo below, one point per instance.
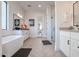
[{"x": 34, "y": 5}]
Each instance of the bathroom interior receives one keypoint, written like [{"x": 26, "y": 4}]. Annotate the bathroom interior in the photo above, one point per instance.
[
  {"x": 39, "y": 29},
  {"x": 25, "y": 20}
]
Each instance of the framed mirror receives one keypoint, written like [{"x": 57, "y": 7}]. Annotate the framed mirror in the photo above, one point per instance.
[
  {"x": 17, "y": 21},
  {"x": 31, "y": 22},
  {"x": 76, "y": 13}
]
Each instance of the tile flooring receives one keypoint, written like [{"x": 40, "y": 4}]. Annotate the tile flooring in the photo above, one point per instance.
[{"x": 40, "y": 50}]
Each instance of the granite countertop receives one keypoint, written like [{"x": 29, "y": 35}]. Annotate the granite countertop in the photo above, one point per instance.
[{"x": 69, "y": 30}]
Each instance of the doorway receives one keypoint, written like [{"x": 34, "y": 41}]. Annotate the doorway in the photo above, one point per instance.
[{"x": 40, "y": 26}]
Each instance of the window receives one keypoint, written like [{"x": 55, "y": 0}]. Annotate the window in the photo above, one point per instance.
[{"x": 4, "y": 15}]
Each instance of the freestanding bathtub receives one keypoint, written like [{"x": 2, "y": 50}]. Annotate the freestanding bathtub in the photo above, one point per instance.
[{"x": 11, "y": 44}]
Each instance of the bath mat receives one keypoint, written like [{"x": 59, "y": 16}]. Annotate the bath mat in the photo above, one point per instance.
[
  {"x": 46, "y": 42},
  {"x": 23, "y": 52}
]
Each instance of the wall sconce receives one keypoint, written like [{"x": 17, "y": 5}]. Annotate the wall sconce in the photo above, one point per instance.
[{"x": 19, "y": 15}]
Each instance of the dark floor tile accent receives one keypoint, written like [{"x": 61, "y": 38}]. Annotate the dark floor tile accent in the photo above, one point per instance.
[
  {"x": 46, "y": 42},
  {"x": 23, "y": 52}
]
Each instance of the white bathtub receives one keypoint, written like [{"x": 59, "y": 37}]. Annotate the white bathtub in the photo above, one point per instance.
[{"x": 11, "y": 44}]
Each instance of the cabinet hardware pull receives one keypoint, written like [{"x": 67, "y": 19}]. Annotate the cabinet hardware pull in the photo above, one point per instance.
[
  {"x": 68, "y": 42},
  {"x": 78, "y": 47}
]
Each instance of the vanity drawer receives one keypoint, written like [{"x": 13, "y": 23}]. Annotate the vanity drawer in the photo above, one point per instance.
[
  {"x": 75, "y": 35},
  {"x": 65, "y": 33}
]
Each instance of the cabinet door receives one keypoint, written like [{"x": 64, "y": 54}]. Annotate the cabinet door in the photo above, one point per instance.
[
  {"x": 74, "y": 48},
  {"x": 64, "y": 44}
]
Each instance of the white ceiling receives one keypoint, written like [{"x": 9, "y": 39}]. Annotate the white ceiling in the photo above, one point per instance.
[{"x": 34, "y": 5}]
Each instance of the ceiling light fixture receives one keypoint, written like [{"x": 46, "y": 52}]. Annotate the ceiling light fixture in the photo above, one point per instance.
[
  {"x": 39, "y": 5},
  {"x": 19, "y": 15}
]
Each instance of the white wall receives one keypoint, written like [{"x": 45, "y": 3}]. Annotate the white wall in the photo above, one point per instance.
[
  {"x": 13, "y": 8},
  {"x": 35, "y": 15},
  {"x": 63, "y": 18},
  {"x": 0, "y": 32}
]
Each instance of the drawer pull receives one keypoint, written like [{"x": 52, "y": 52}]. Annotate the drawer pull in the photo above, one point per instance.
[
  {"x": 68, "y": 42},
  {"x": 78, "y": 47}
]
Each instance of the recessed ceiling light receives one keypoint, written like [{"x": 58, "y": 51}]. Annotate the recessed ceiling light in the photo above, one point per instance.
[
  {"x": 39, "y": 5},
  {"x": 29, "y": 5}
]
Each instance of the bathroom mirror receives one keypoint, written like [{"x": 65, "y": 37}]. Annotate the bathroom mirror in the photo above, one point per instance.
[{"x": 76, "y": 13}]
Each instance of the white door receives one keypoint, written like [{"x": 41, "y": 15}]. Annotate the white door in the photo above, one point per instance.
[{"x": 0, "y": 32}]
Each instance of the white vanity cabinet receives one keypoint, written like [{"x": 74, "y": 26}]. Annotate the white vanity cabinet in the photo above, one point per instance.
[
  {"x": 74, "y": 44},
  {"x": 65, "y": 42},
  {"x": 69, "y": 43}
]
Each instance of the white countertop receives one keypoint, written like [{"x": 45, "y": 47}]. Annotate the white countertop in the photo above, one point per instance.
[{"x": 69, "y": 30}]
